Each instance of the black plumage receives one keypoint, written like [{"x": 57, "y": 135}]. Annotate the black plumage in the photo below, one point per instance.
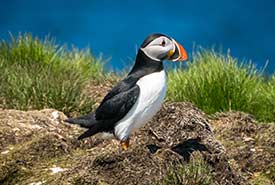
[{"x": 117, "y": 103}]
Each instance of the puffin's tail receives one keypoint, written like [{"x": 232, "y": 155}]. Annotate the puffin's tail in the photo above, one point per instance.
[
  {"x": 86, "y": 121},
  {"x": 90, "y": 132}
]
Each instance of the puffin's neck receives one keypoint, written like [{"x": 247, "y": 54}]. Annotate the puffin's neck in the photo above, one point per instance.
[{"x": 145, "y": 65}]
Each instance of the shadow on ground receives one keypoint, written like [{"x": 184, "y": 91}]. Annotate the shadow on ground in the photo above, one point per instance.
[{"x": 38, "y": 147}]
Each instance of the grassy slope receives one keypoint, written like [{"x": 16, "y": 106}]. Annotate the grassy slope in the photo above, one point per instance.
[
  {"x": 217, "y": 83},
  {"x": 36, "y": 74}
]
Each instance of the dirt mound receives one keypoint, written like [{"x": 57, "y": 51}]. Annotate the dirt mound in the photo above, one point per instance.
[
  {"x": 38, "y": 147},
  {"x": 250, "y": 145},
  {"x": 173, "y": 136},
  {"x": 27, "y": 138},
  {"x": 18, "y": 126}
]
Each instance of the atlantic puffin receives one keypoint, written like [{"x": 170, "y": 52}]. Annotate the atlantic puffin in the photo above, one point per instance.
[{"x": 136, "y": 98}]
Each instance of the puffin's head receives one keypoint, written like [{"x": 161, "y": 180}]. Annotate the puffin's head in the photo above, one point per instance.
[{"x": 159, "y": 47}]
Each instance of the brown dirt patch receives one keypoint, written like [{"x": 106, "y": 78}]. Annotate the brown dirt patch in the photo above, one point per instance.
[
  {"x": 40, "y": 139},
  {"x": 250, "y": 145}
]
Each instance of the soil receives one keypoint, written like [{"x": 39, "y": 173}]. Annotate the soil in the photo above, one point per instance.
[
  {"x": 37, "y": 147},
  {"x": 250, "y": 145}
]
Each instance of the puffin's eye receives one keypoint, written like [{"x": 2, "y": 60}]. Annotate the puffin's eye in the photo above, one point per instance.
[{"x": 163, "y": 43}]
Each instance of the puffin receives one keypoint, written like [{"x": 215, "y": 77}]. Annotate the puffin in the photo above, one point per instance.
[{"x": 138, "y": 97}]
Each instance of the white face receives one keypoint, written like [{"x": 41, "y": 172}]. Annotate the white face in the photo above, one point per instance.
[{"x": 159, "y": 48}]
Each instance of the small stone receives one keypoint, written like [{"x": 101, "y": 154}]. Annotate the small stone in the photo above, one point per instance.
[
  {"x": 5, "y": 152},
  {"x": 57, "y": 170},
  {"x": 253, "y": 150},
  {"x": 55, "y": 115},
  {"x": 246, "y": 139},
  {"x": 36, "y": 183}
]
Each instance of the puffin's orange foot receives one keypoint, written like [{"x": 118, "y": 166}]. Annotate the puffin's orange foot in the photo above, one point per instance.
[{"x": 125, "y": 144}]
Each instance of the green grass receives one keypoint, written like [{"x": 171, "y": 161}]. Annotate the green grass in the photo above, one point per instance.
[
  {"x": 267, "y": 111},
  {"x": 216, "y": 83},
  {"x": 196, "y": 172},
  {"x": 37, "y": 74}
]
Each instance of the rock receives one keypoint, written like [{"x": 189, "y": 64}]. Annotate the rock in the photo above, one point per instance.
[{"x": 179, "y": 134}]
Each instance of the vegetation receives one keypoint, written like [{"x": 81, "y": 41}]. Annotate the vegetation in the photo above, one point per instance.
[
  {"x": 216, "y": 83},
  {"x": 193, "y": 173},
  {"x": 36, "y": 74}
]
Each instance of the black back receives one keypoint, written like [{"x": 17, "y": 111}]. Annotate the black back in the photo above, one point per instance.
[
  {"x": 119, "y": 101},
  {"x": 123, "y": 96}
]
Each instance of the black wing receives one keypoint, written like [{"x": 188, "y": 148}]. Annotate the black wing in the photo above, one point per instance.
[
  {"x": 117, "y": 103},
  {"x": 114, "y": 107}
]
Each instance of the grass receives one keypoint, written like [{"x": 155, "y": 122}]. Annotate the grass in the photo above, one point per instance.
[
  {"x": 267, "y": 110},
  {"x": 196, "y": 172},
  {"x": 37, "y": 74},
  {"x": 216, "y": 83}
]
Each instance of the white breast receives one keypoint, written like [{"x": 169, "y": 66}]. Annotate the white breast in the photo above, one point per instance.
[{"x": 152, "y": 94}]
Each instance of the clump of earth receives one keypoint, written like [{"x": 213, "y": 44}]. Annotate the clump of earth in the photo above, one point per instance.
[{"x": 38, "y": 147}]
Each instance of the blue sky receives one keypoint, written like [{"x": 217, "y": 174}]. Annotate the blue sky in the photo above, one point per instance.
[{"x": 116, "y": 28}]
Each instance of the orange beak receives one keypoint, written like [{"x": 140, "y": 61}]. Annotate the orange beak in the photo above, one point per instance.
[{"x": 179, "y": 54}]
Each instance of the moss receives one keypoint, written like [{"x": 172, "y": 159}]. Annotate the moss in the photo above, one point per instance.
[{"x": 261, "y": 179}]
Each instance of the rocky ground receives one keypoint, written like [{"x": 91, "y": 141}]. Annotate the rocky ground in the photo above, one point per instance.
[
  {"x": 181, "y": 145},
  {"x": 250, "y": 145},
  {"x": 37, "y": 147}
]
